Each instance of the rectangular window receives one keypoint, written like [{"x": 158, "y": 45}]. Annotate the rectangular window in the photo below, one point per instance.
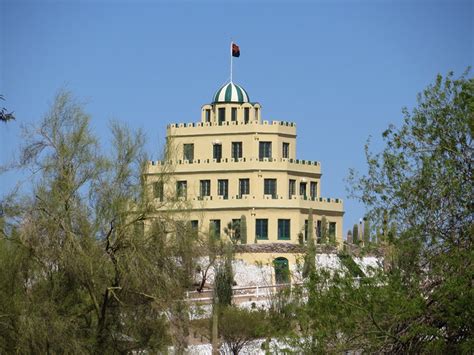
[
  {"x": 234, "y": 114},
  {"x": 270, "y": 187},
  {"x": 205, "y": 188},
  {"x": 303, "y": 189},
  {"x": 221, "y": 115},
  {"x": 284, "y": 229},
  {"x": 208, "y": 115},
  {"x": 286, "y": 150},
  {"x": 291, "y": 188},
  {"x": 261, "y": 228},
  {"x": 332, "y": 231},
  {"x": 182, "y": 189},
  {"x": 256, "y": 114},
  {"x": 246, "y": 115},
  {"x": 215, "y": 228},
  {"x": 195, "y": 224},
  {"x": 223, "y": 188},
  {"x": 217, "y": 152},
  {"x": 244, "y": 187},
  {"x": 313, "y": 189},
  {"x": 265, "y": 150},
  {"x": 188, "y": 152},
  {"x": 158, "y": 190},
  {"x": 236, "y": 150}
]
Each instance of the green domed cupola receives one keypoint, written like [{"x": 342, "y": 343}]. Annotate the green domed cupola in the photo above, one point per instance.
[{"x": 231, "y": 92}]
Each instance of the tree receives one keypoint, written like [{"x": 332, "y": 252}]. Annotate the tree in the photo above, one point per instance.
[
  {"x": 367, "y": 238},
  {"x": 238, "y": 327},
  {"x": 418, "y": 191},
  {"x": 355, "y": 234},
  {"x": 232, "y": 230},
  {"x": 78, "y": 244},
  {"x": 243, "y": 229},
  {"x": 5, "y": 116},
  {"x": 324, "y": 230},
  {"x": 309, "y": 266},
  {"x": 421, "y": 186},
  {"x": 349, "y": 237}
]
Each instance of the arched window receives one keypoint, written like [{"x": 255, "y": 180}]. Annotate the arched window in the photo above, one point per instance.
[{"x": 282, "y": 271}]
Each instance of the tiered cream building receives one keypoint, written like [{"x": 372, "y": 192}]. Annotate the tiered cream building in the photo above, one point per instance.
[{"x": 232, "y": 163}]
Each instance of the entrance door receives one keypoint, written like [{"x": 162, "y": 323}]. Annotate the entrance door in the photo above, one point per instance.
[{"x": 282, "y": 271}]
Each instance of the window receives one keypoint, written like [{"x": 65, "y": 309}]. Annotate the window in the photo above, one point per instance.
[
  {"x": 188, "y": 152},
  {"x": 284, "y": 229},
  {"x": 332, "y": 231},
  {"x": 221, "y": 115},
  {"x": 261, "y": 228},
  {"x": 244, "y": 187},
  {"x": 286, "y": 150},
  {"x": 291, "y": 188},
  {"x": 246, "y": 115},
  {"x": 265, "y": 150},
  {"x": 234, "y": 114},
  {"x": 313, "y": 189},
  {"x": 158, "y": 190},
  {"x": 303, "y": 189},
  {"x": 208, "y": 115},
  {"x": 223, "y": 188},
  {"x": 236, "y": 150},
  {"x": 182, "y": 189},
  {"x": 217, "y": 152},
  {"x": 194, "y": 224},
  {"x": 270, "y": 187},
  {"x": 205, "y": 188},
  {"x": 256, "y": 114},
  {"x": 215, "y": 227}
]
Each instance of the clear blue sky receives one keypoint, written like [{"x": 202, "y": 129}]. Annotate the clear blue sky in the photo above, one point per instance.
[{"x": 342, "y": 70}]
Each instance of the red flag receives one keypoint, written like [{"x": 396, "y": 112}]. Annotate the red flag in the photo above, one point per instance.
[{"x": 235, "y": 50}]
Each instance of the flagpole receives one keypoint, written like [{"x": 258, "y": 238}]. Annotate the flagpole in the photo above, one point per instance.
[{"x": 231, "y": 60}]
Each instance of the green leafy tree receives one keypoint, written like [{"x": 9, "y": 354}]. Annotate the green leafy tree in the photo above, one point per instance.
[
  {"x": 420, "y": 188},
  {"x": 367, "y": 238},
  {"x": 309, "y": 266},
  {"x": 355, "y": 234},
  {"x": 77, "y": 246},
  {"x": 324, "y": 230},
  {"x": 418, "y": 191},
  {"x": 238, "y": 327},
  {"x": 243, "y": 229}
]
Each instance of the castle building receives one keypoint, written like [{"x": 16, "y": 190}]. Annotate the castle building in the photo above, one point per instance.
[{"x": 232, "y": 163}]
